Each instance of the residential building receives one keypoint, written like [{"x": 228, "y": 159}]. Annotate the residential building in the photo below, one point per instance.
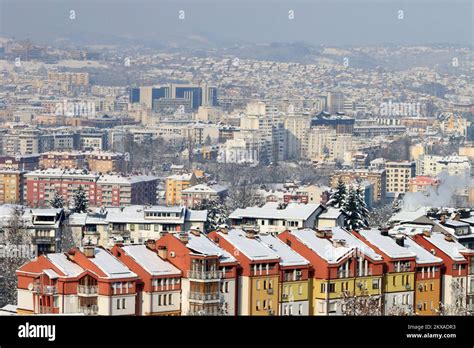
[
  {"x": 209, "y": 283},
  {"x": 159, "y": 283},
  {"x": 399, "y": 175},
  {"x": 193, "y": 196}
]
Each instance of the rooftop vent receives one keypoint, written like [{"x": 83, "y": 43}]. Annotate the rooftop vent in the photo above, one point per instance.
[
  {"x": 183, "y": 237},
  {"x": 324, "y": 233},
  {"x": 400, "y": 240}
]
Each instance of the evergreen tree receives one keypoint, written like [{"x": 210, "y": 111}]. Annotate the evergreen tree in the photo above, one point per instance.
[
  {"x": 338, "y": 198},
  {"x": 57, "y": 201},
  {"x": 356, "y": 216},
  {"x": 80, "y": 201},
  {"x": 362, "y": 206},
  {"x": 217, "y": 213}
]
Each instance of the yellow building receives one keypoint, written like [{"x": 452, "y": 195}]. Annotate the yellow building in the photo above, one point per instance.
[
  {"x": 175, "y": 184},
  {"x": 11, "y": 184}
]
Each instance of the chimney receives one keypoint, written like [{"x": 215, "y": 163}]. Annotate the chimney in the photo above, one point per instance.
[
  {"x": 89, "y": 251},
  {"x": 224, "y": 229},
  {"x": 195, "y": 230},
  {"x": 442, "y": 219},
  {"x": 162, "y": 252},
  {"x": 426, "y": 233},
  {"x": 337, "y": 243},
  {"x": 324, "y": 234},
  {"x": 449, "y": 237},
  {"x": 183, "y": 237},
  {"x": 250, "y": 232},
  {"x": 151, "y": 244},
  {"x": 71, "y": 254},
  {"x": 400, "y": 240},
  {"x": 384, "y": 231}
]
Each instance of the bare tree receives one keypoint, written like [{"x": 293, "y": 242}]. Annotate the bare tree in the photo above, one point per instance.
[
  {"x": 458, "y": 307},
  {"x": 363, "y": 304},
  {"x": 15, "y": 250},
  {"x": 243, "y": 196}
]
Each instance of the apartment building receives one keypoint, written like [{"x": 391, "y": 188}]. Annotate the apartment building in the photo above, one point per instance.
[
  {"x": 209, "y": 285},
  {"x": 89, "y": 280},
  {"x": 195, "y": 195},
  {"x": 45, "y": 226},
  {"x": 175, "y": 184},
  {"x": 433, "y": 165},
  {"x": 259, "y": 271},
  {"x": 423, "y": 183},
  {"x": 377, "y": 177},
  {"x": 399, "y": 269},
  {"x": 20, "y": 162},
  {"x": 399, "y": 175},
  {"x": 294, "y": 281},
  {"x": 342, "y": 266},
  {"x": 276, "y": 218},
  {"x": 457, "y": 271},
  {"x": 66, "y": 160},
  {"x": 135, "y": 224},
  {"x": 159, "y": 283},
  {"x": 11, "y": 186},
  {"x": 101, "y": 190}
]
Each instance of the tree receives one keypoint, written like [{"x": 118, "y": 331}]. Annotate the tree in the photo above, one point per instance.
[
  {"x": 243, "y": 196},
  {"x": 16, "y": 250},
  {"x": 458, "y": 307},
  {"x": 363, "y": 304},
  {"x": 356, "y": 215},
  {"x": 364, "y": 212},
  {"x": 216, "y": 213},
  {"x": 339, "y": 196},
  {"x": 80, "y": 201},
  {"x": 57, "y": 201}
]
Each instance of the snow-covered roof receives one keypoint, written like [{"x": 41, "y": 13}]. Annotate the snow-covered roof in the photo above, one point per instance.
[
  {"x": 288, "y": 257},
  {"x": 196, "y": 215},
  {"x": 422, "y": 255},
  {"x": 270, "y": 210},
  {"x": 469, "y": 220},
  {"x": 451, "y": 248},
  {"x": 354, "y": 242},
  {"x": 455, "y": 223},
  {"x": 330, "y": 213},
  {"x": 386, "y": 244},
  {"x": 321, "y": 246},
  {"x": 410, "y": 229},
  {"x": 203, "y": 188},
  {"x": 203, "y": 245},
  {"x": 110, "y": 265},
  {"x": 253, "y": 248},
  {"x": 150, "y": 261},
  {"x": 408, "y": 216},
  {"x": 51, "y": 273},
  {"x": 67, "y": 267}
]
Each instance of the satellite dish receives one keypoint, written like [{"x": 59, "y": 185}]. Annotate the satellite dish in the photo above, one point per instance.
[{"x": 30, "y": 286}]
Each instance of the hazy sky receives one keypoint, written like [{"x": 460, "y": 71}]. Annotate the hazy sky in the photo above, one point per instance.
[{"x": 358, "y": 22}]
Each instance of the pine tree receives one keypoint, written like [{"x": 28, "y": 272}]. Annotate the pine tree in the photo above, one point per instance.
[
  {"x": 57, "y": 201},
  {"x": 80, "y": 201},
  {"x": 363, "y": 211},
  {"x": 338, "y": 198},
  {"x": 217, "y": 214},
  {"x": 357, "y": 214}
]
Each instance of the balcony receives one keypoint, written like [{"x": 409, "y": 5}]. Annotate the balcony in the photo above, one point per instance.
[
  {"x": 87, "y": 290},
  {"x": 45, "y": 310},
  {"x": 202, "y": 297},
  {"x": 92, "y": 310},
  {"x": 45, "y": 289},
  {"x": 199, "y": 275}
]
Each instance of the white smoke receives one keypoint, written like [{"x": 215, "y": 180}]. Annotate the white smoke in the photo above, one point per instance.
[{"x": 442, "y": 196}]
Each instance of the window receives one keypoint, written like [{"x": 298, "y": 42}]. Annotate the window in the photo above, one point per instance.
[
  {"x": 264, "y": 304},
  {"x": 164, "y": 300},
  {"x": 394, "y": 281},
  {"x": 300, "y": 289},
  {"x": 258, "y": 284},
  {"x": 123, "y": 303},
  {"x": 118, "y": 304},
  {"x": 227, "y": 287},
  {"x": 375, "y": 284},
  {"x": 323, "y": 287},
  {"x": 264, "y": 286},
  {"x": 332, "y": 287},
  {"x": 170, "y": 299},
  {"x": 159, "y": 300},
  {"x": 257, "y": 306}
]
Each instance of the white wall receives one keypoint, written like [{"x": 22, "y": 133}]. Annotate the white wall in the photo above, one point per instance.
[
  {"x": 25, "y": 299},
  {"x": 153, "y": 298},
  {"x": 108, "y": 305}
]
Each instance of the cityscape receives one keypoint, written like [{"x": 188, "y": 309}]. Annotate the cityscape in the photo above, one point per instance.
[{"x": 196, "y": 168}]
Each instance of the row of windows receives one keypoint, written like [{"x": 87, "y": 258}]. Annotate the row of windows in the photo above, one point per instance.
[
  {"x": 162, "y": 300},
  {"x": 266, "y": 304}
]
